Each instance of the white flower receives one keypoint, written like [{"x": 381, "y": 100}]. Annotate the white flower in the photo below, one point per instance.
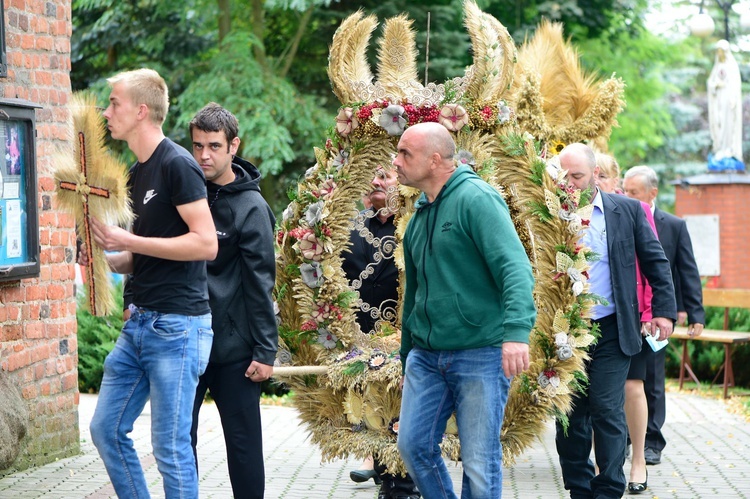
[
  {"x": 564, "y": 352},
  {"x": 327, "y": 338},
  {"x": 553, "y": 167},
  {"x": 288, "y": 212},
  {"x": 392, "y": 120},
  {"x": 314, "y": 213},
  {"x": 561, "y": 339},
  {"x": 503, "y": 112},
  {"x": 312, "y": 274},
  {"x": 575, "y": 225},
  {"x": 577, "y": 288},
  {"x": 575, "y": 274},
  {"x": 341, "y": 159}
]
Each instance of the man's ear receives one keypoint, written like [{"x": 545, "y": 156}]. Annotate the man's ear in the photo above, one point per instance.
[
  {"x": 143, "y": 111},
  {"x": 234, "y": 145}
]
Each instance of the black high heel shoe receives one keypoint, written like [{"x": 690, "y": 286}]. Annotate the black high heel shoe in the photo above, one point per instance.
[
  {"x": 361, "y": 476},
  {"x": 638, "y": 487}
]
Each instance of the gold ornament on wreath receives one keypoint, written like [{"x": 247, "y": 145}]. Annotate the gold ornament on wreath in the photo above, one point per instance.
[{"x": 353, "y": 409}]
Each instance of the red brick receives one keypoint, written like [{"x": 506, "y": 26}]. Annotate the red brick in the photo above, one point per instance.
[
  {"x": 18, "y": 360},
  {"x": 39, "y": 371},
  {"x": 30, "y": 392},
  {"x": 69, "y": 381},
  {"x": 34, "y": 329}
]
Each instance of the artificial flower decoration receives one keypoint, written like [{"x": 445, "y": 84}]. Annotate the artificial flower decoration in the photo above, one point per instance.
[
  {"x": 353, "y": 407},
  {"x": 346, "y": 121},
  {"x": 283, "y": 358},
  {"x": 322, "y": 313},
  {"x": 312, "y": 274},
  {"x": 453, "y": 117},
  {"x": 377, "y": 360},
  {"x": 393, "y": 426},
  {"x": 327, "y": 338},
  {"x": 309, "y": 325},
  {"x": 288, "y": 213},
  {"x": 310, "y": 247},
  {"x": 341, "y": 159},
  {"x": 351, "y": 354},
  {"x": 327, "y": 187},
  {"x": 373, "y": 419},
  {"x": 564, "y": 352},
  {"x": 555, "y": 147},
  {"x": 555, "y": 170},
  {"x": 465, "y": 158},
  {"x": 314, "y": 213},
  {"x": 392, "y": 120},
  {"x": 576, "y": 270},
  {"x": 503, "y": 112},
  {"x": 549, "y": 381}
]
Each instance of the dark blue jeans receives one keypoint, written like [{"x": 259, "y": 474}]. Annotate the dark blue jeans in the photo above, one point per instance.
[
  {"x": 157, "y": 356},
  {"x": 472, "y": 384}
]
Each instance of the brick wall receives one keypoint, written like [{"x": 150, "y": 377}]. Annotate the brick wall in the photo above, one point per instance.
[
  {"x": 732, "y": 203},
  {"x": 38, "y": 346}
]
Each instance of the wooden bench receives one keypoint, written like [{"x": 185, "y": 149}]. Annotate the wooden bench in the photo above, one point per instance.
[{"x": 716, "y": 298}]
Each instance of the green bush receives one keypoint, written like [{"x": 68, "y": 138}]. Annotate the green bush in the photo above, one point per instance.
[
  {"x": 96, "y": 338},
  {"x": 707, "y": 357}
]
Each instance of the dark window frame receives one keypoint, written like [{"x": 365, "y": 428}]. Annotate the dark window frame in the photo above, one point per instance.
[{"x": 24, "y": 111}]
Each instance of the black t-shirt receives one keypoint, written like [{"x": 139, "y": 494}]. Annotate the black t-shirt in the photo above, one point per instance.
[{"x": 169, "y": 178}]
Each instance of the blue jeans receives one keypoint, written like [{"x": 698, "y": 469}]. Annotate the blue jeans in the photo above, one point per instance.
[
  {"x": 159, "y": 356},
  {"x": 437, "y": 383}
]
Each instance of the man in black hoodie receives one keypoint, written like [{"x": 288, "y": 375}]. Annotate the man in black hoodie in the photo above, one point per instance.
[{"x": 240, "y": 281}]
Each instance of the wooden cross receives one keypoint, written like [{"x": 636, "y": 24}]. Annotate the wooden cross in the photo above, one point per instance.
[
  {"x": 86, "y": 190},
  {"x": 89, "y": 183}
]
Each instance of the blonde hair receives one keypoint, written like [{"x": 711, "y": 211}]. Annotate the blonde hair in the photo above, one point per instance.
[
  {"x": 608, "y": 165},
  {"x": 145, "y": 86}
]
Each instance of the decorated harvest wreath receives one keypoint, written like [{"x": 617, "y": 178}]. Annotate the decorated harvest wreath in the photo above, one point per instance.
[{"x": 345, "y": 380}]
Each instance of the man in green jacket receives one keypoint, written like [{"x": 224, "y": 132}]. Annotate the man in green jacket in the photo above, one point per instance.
[{"x": 468, "y": 311}]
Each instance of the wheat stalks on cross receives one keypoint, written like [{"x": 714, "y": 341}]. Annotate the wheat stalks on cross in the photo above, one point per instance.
[{"x": 90, "y": 182}]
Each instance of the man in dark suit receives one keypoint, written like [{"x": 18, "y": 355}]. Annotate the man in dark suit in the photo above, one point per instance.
[
  {"x": 618, "y": 233},
  {"x": 642, "y": 183}
]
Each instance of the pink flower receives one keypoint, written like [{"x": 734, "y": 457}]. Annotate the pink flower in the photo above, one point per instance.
[
  {"x": 322, "y": 313},
  {"x": 346, "y": 121},
  {"x": 453, "y": 117},
  {"x": 327, "y": 187},
  {"x": 310, "y": 247}
]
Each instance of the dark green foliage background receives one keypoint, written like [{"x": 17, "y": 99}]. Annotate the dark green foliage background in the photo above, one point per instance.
[{"x": 96, "y": 338}]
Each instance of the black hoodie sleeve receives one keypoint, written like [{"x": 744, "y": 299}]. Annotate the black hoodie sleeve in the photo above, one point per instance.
[{"x": 258, "y": 278}]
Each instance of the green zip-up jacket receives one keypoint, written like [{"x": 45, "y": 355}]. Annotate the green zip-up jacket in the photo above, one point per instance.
[{"x": 469, "y": 283}]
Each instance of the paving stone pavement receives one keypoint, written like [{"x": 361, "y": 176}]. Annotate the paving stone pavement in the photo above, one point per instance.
[{"x": 708, "y": 456}]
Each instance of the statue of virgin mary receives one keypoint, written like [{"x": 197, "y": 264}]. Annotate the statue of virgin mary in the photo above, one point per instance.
[{"x": 725, "y": 111}]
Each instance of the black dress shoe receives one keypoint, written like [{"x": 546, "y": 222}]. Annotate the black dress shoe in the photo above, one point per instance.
[
  {"x": 652, "y": 456},
  {"x": 638, "y": 487},
  {"x": 361, "y": 476}
]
